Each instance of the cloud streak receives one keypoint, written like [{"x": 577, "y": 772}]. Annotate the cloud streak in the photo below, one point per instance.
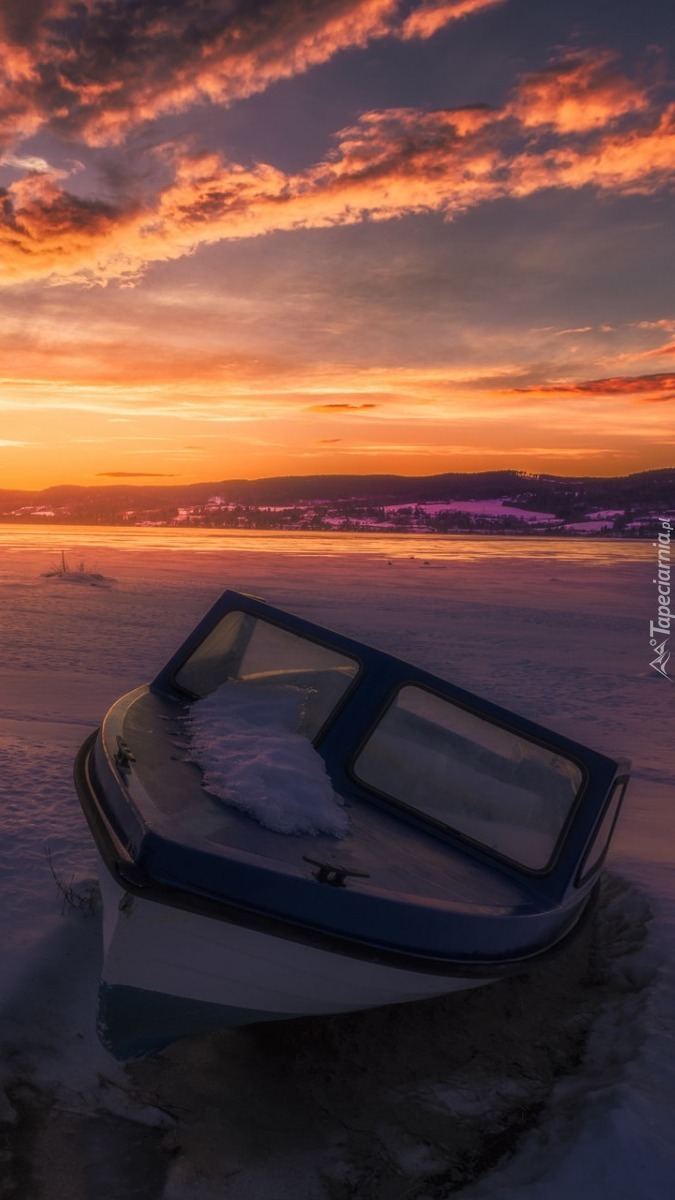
[
  {"x": 335, "y": 408},
  {"x": 643, "y": 388}
]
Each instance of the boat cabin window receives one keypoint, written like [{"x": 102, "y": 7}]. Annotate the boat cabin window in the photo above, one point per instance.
[
  {"x": 499, "y": 789},
  {"x": 247, "y": 649}
]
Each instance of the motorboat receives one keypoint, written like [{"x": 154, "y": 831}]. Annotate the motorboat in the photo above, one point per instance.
[{"x": 291, "y": 822}]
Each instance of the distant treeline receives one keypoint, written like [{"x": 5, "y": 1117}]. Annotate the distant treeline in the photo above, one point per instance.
[{"x": 567, "y": 498}]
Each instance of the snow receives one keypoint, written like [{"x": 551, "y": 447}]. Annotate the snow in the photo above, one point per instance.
[
  {"x": 481, "y": 508},
  {"x": 84, "y": 578},
  {"x": 608, "y": 1131},
  {"x": 556, "y": 631},
  {"x": 245, "y": 739}
]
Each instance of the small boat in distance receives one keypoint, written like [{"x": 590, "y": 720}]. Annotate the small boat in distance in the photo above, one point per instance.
[{"x": 293, "y": 823}]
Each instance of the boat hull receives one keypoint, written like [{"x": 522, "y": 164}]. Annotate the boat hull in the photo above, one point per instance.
[
  {"x": 169, "y": 973},
  {"x": 473, "y": 851}
]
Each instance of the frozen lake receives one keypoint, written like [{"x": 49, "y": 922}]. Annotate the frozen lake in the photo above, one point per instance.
[{"x": 555, "y": 629}]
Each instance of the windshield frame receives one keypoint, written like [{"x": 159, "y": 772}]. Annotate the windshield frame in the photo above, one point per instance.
[{"x": 293, "y": 631}]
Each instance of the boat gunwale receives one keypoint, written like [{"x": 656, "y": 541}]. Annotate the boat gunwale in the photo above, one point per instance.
[{"x": 134, "y": 879}]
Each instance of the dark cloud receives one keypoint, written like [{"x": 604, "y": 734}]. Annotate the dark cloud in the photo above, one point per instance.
[
  {"x": 644, "y": 387},
  {"x": 135, "y": 475},
  {"x": 339, "y": 407},
  {"x": 20, "y": 20}
]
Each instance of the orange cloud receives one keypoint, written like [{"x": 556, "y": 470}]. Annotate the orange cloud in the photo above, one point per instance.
[
  {"x": 640, "y": 160},
  {"x": 387, "y": 165},
  {"x": 582, "y": 92},
  {"x": 42, "y": 224},
  {"x": 432, "y": 16}
]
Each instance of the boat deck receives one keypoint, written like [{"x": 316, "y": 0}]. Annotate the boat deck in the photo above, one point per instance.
[{"x": 421, "y": 865}]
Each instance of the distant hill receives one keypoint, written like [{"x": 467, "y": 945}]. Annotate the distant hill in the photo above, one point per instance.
[{"x": 567, "y": 497}]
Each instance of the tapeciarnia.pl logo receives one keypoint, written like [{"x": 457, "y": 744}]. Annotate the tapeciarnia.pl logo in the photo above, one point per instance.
[{"x": 661, "y": 626}]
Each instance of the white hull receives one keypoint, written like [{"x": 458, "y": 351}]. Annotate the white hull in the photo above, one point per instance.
[{"x": 252, "y": 976}]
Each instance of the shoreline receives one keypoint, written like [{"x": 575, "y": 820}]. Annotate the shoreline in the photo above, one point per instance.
[{"x": 370, "y": 531}]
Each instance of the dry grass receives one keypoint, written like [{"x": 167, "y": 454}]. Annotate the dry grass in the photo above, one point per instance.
[
  {"x": 84, "y": 900},
  {"x": 63, "y": 569}
]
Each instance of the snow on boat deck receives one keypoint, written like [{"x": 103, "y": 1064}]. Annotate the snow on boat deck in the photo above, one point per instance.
[{"x": 560, "y": 638}]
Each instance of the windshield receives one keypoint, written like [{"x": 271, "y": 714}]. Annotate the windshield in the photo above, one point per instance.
[
  {"x": 247, "y": 649},
  {"x": 477, "y": 778}
]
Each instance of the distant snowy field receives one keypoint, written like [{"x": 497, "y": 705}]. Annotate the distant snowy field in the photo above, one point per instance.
[
  {"x": 558, "y": 633},
  {"x": 482, "y": 508}
]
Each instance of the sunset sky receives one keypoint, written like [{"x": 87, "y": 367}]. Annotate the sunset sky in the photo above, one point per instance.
[{"x": 243, "y": 238}]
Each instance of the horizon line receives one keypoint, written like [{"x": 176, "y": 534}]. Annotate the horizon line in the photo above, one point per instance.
[{"x": 136, "y": 479}]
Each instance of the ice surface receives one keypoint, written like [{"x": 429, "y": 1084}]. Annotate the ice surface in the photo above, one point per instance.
[
  {"x": 244, "y": 737},
  {"x": 556, "y": 632}
]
